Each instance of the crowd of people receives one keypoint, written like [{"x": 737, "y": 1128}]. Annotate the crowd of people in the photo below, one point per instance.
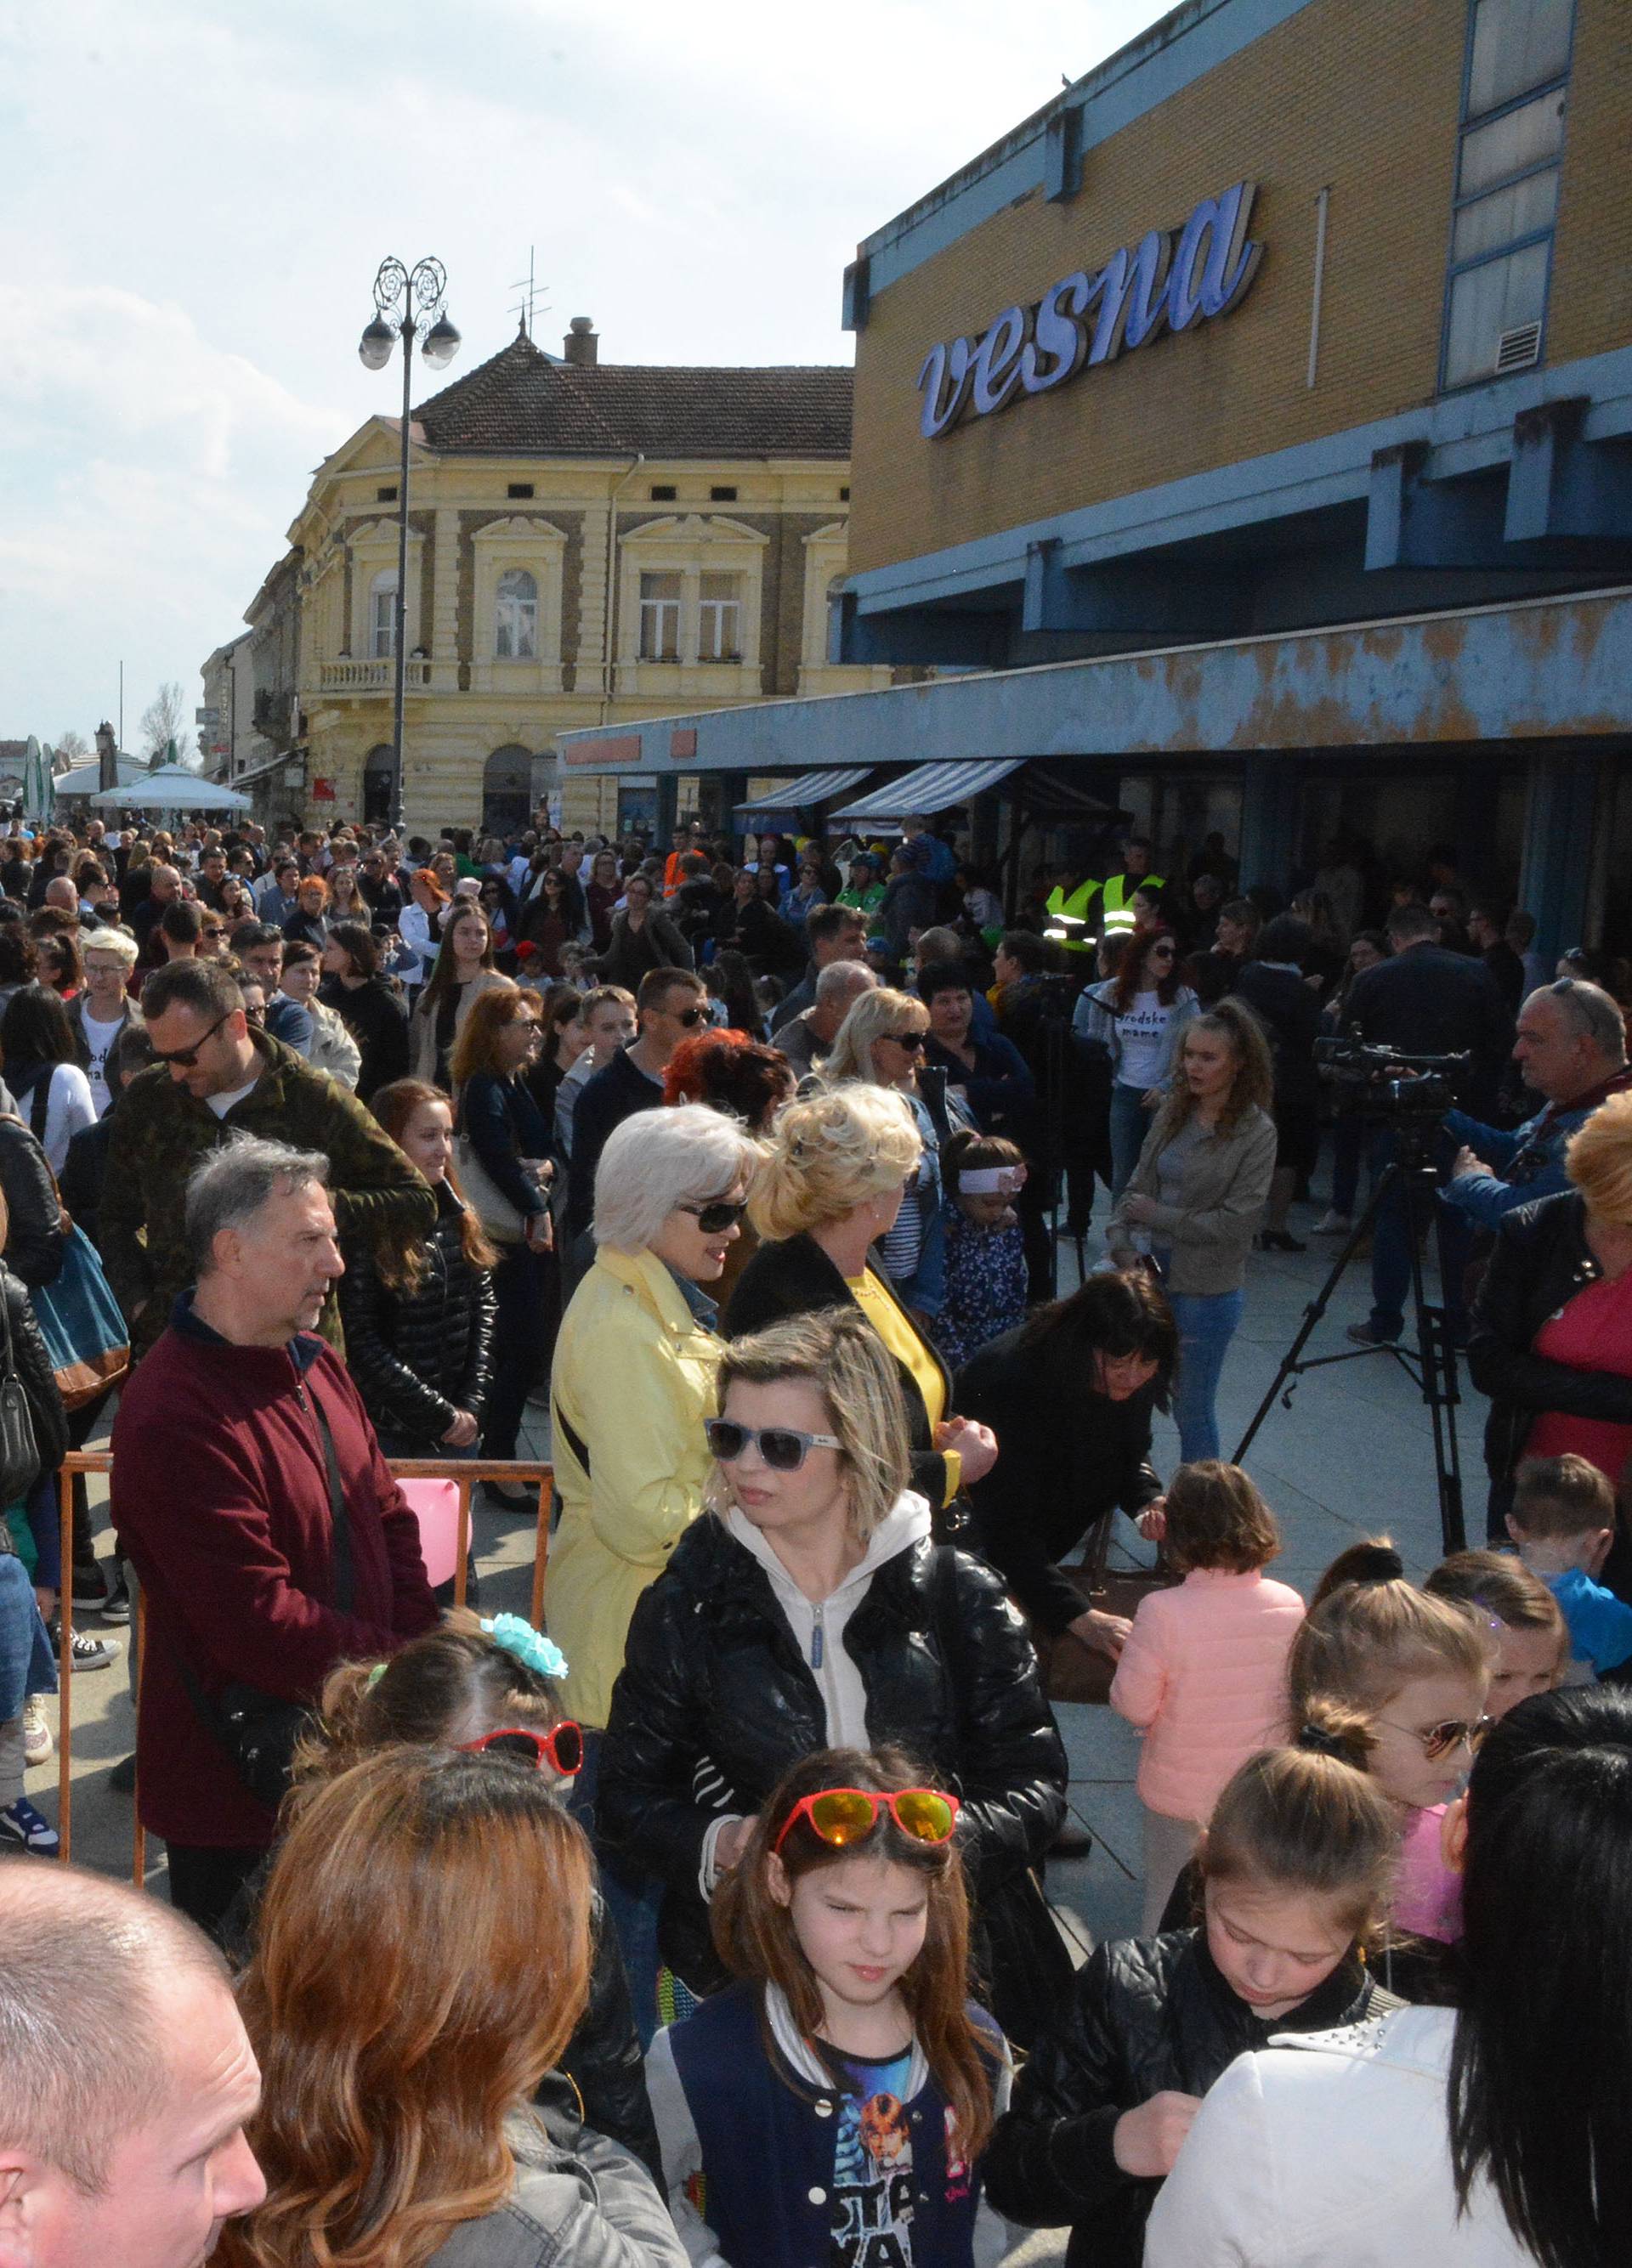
[{"x": 707, "y": 1921}]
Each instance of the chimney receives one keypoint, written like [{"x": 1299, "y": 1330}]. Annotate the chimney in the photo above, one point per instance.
[{"x": 581, "y": 344}]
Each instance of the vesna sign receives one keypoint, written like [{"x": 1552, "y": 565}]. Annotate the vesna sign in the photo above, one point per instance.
[{"x": 1170, "y": 281}]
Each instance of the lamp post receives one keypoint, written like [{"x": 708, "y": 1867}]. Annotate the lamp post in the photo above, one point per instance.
[{"x": 404, "y": 299}]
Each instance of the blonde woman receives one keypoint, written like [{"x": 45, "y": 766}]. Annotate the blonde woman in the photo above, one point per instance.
[
  {"x": 1196, "y": 1196},
  {"x": 1551, "y": 1325},
  {"x": 881, "y": 1040},
  {"x": 839, "y": 1166},
  {"x": 816, "y": 1611}
]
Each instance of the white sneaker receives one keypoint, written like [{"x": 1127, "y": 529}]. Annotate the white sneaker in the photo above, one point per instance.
[
  {"x": 22, "y": 1824},
  {"x": 1332, "y": 1224},
  {"x": 37, "y": 1742}
]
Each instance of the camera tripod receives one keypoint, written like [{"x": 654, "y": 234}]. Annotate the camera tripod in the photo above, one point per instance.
[{"x": 1432, "y": 1364}]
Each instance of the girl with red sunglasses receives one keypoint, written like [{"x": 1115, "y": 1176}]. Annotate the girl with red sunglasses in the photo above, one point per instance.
[{"x": 847, "y": 2054}]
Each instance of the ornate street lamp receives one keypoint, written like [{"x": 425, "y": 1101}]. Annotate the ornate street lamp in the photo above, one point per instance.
[{"x": 404, "y": 299}]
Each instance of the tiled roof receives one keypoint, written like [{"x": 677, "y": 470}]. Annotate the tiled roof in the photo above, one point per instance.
[{"x": 523, "y": 402}]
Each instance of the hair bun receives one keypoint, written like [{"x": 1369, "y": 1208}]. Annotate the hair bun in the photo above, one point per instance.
[
  {"x": 1322, "y": 1740},
  {"x": 1376, "y": 1563}
]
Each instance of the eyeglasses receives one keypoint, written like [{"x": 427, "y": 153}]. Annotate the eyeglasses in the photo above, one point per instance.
[
  {"x": 691, "y": 1017},
  {"x": 561, "y": 1748},
  {"x": 843, "y": 1815},
  {"x": 213, "y": 929},
  {"x": 912, "y": 1041},
  {"x": 1439, "y": 1740},
  {"x": 1163, "y": 952},
  {"x": 781, "y": 1447},
  {"x": 717, "y": 1216},
  {"x": 187, "y": 1058}
]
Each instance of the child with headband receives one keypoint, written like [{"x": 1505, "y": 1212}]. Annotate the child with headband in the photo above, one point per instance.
[
  {"x": 833, "y": 2103},
  {"x": 1295, "y": 1871},
  {"x": 981, "y": 1174}
]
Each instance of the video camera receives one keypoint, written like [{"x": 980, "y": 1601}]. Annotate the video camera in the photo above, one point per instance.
[{"x": 1385, "y": 1082}]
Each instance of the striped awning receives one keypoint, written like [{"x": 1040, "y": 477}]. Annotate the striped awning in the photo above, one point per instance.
[
  {"x": 808, "y": 789},
  {"x": 928, "y": 788}
]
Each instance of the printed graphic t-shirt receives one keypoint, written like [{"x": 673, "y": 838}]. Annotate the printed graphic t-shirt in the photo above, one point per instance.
[{"x": 871, "y": 2214}]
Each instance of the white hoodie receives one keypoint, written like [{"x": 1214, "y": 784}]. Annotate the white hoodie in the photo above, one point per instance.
[{"x": 818, "y": 1631}]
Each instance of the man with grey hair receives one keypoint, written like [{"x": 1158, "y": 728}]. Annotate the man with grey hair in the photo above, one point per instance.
[
  {"x": 250, "y": 1495},
  {"x": 805, "y": 1039},
  {"x": 1571, "y": 1047},
  {"x": 126, "y": 2080}
]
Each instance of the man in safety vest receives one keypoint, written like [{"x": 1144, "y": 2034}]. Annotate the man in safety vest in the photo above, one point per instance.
[
  {"x": 1075, "y": 901},
  {"x": 1117, "y": 910}
]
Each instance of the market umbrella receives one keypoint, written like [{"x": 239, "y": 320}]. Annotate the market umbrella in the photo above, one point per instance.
[
  {"x": 172, "y": 787},
  {"x": 38, "y": 789}
]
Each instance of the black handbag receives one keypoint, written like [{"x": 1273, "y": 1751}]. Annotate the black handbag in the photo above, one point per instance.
[
  {"x": 259, "y": 1732},
  {"x": 19, "y": 1453}
]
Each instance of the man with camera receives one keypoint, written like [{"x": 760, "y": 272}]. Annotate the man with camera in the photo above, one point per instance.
[
  {"x": 1425, "y": 1000},
  {"x": 1571, "y": 1050}
]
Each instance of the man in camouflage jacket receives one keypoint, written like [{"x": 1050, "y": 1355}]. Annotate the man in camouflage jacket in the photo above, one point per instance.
[{"x": 216, "y": 1077}]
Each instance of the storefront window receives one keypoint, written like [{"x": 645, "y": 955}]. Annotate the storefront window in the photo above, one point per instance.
[{"x": 1507, "y": 187}]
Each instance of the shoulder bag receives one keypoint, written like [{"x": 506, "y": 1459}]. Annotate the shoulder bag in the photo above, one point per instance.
[
  {"x": 83, "y": 1326},
  {"x": 504, "y": 1221}
]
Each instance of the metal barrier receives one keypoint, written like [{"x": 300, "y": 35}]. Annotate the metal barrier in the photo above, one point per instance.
[{"x": 464, "y": 1472}]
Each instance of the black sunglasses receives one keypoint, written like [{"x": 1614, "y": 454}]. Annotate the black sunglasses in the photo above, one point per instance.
[
  {"x": 782, "y": 1448},
  {"x": 716, "y": 1217},
  {"x": 185, "y": 1058},
  {"x": 691, "y": 1017},
  {"x": 912, "y": 1041}
]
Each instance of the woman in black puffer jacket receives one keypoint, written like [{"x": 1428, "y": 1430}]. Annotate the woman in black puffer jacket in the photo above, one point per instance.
[
  {"x": 1297, "y": 1866},
  {"x": 418, "y": 1326},
  {"x": 740, "y": 1660}
]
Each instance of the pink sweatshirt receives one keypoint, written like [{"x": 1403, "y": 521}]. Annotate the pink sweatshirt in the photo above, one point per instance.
[{"x": 1204, "y": 1675}]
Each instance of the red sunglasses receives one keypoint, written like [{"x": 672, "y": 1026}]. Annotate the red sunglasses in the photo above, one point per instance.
[
  {"x": 843, "y": 1815},
  {"x": 561, "y": 1748}
]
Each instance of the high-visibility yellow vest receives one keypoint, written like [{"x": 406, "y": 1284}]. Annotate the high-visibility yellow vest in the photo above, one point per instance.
[
  {"x": 1120, "y": 889},
  {"x": 1077, "y": 907}
]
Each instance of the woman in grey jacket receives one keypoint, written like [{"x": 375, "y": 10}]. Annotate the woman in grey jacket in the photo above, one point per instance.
[
  {"x": 1195, "y": 1198},
  {"x": 421, "y": 1958}
]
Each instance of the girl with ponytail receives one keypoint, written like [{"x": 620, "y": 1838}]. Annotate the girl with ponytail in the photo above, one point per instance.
[{"x": 1295, "y": 1869}]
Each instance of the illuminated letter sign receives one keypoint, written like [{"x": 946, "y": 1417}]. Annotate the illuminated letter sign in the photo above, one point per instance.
[{"x": 1170, "y": 281}]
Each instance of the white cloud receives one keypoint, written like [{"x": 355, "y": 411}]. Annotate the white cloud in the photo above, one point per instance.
[{"x": 198, "y": 196}]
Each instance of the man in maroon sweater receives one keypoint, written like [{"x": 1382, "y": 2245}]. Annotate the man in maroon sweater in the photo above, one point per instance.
[{"x": 221, "y": 1498}]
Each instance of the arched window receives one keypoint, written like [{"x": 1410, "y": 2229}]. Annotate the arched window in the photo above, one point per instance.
[
  {"x": 507, "y": 790},
  {"x": 382, "y": 615},
  {"x": 517, "y": 616},
  {"x": 380, "y": 786}
]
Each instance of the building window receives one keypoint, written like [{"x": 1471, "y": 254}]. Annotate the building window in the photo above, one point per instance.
[
  {"x": 519, "y": 488},
  {"x": 722, "y": 495},
  {"x": 382, "y": 616},
  {"x": 1512, "y": 142},
  {"x": 663, "y": 492},
  {"x": 720, "y": 618},
  {"x": 384, "y": 496},
  {"x": 844, "y": 495},
  {"x": 660, "y": 617},
  {"x": 517, "y": 616}
]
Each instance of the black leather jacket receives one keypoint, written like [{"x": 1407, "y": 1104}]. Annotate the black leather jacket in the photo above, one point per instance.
[
  {"x": 713, "y": 1676},
  {"x": 1067, "y": 1458},
  {"x": 420, "y": 1356},
  {"x": 1541, "y": 1260},
  {"x": 1146, "y": 2014},
  {"x": 35, "y": 1237}
]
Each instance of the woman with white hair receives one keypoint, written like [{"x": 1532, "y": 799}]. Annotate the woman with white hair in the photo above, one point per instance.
[
  {"x": 634, "y": 1378},
  {"x": 632, "y": 1385}
]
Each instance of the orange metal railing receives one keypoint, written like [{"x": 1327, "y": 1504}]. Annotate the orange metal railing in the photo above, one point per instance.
[{"x": 464, "y": 1472}]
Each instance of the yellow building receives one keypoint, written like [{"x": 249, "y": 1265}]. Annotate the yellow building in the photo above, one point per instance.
[{"x": 588, "y": 542}]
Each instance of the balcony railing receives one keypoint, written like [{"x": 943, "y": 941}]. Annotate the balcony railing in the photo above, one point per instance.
[{"x": 371, "y": 676}]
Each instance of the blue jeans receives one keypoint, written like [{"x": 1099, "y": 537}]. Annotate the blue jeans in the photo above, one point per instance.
[
  {"x": 632, "y": 1901},
  {"x": 1206, "y": 1327},
  {"x": 1391, "y": 1247},
  {"x": 1130, "y": 1123}
]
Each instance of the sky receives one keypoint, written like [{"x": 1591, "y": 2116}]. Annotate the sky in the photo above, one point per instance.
[{"x": 196, "y": 195}]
